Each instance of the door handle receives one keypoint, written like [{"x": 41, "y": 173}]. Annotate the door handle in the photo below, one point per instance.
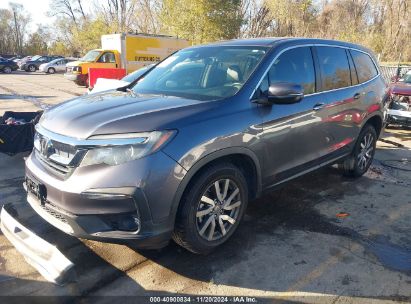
[
  {"x": 318, "y": 106},
  {"x": 357, "y": 95}
]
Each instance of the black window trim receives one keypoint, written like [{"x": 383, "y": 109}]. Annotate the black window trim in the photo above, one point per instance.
[{"x": 313, "y": 45}]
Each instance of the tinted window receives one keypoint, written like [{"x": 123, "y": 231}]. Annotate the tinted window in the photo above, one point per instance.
[
  {"x": 335, "y": 71},
  {"x": 295, "y": 66},
  {"x": 107, "y": 58},
  {"x": 364, "y": 65}
]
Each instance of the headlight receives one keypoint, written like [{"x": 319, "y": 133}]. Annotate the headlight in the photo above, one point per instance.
[
  {"x": 77, "y": 69},
  {"x": 117, "y": 149}
]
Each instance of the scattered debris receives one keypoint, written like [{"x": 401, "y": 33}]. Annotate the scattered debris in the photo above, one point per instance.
[{"x": 342, "y": 214}]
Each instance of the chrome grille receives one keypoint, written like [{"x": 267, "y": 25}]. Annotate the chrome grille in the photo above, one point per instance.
[{"x": 58, "y": 157}]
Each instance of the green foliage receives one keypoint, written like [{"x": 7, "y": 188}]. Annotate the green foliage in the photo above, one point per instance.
[
  {"x": 202, "y": 20},
  {"x": 382, "y": 25}
]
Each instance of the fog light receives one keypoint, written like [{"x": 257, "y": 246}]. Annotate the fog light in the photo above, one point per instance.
[{"x": 124, "y": 222}]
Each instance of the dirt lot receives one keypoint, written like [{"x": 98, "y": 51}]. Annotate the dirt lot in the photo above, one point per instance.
[{"x": 292, "y": 246}]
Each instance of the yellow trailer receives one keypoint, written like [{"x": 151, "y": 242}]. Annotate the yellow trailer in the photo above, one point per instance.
[{"x": 126, "y": 51}]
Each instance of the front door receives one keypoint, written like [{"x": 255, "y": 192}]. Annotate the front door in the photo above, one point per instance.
[
  {"x": 106, "y": 60},
  {"x": 292, "y": 133}
]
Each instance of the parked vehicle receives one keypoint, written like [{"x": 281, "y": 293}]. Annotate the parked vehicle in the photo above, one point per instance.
[
  {"x": 7, "y": 66},
  {"x": 105, "y": 84},
  {"x": 34, "y": 63},
  {"x": 56, "y": 65},
  {"x": 25, "y": 59},
  {"x": 399, "y": 109},
  {"x": 124, "y": 51},
  {"x": 180, "y": 153}
]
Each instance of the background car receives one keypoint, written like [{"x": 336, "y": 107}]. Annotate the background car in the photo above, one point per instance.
[
  {"x": 7, "y": 66},
  {"x": 399, "y": 110},
  {"x": 56, "y": 65},
  {"x": 23, "y": 60},
  {"x": 104, "y": 84},
  {"x": 34, "y": 63}
]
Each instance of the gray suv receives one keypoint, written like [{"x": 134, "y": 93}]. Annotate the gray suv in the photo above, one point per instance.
[{"x": 180, "y": 152}]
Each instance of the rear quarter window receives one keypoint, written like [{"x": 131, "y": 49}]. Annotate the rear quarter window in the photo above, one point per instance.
[{"x": 364, "y": 65}]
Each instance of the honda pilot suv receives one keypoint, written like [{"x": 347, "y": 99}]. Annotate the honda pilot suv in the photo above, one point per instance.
[{"x": 180, "y": 152}]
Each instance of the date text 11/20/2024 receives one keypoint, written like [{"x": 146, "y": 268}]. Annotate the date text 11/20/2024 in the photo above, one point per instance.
[{"x": 203, "y": 299}]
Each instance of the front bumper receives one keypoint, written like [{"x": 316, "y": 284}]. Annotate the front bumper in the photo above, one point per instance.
[
  {"x": 39, "y": 253},
  {"x": 94, "y": 203},
  {"x": 77, "y": 78},
  {"x": 399, "y": 117}
]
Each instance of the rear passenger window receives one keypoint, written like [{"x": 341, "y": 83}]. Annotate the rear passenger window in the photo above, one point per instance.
[
  {"x": 366, "y": 69},
  {"x": 295, "y": 66},
  {"x": 335, "y": 71}
]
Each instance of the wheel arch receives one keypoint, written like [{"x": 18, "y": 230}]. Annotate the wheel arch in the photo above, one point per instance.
[
  {"x": 243, "y": 158},
  {"x": 376, "y": 121}
]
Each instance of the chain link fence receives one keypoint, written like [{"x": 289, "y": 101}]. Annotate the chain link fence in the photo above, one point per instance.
[{"x": 393, "y": 72}]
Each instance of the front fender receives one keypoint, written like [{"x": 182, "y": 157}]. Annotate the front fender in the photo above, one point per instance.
[{"x": 195, "y": 168}]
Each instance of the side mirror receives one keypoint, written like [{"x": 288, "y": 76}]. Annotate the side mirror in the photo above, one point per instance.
[{"x": 285, "y": 93}]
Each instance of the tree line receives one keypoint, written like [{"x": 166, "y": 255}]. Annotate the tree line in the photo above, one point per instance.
[{"x": 382, "y": 25}]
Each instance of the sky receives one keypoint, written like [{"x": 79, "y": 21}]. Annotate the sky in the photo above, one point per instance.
[{"x": 37, "y": 8}]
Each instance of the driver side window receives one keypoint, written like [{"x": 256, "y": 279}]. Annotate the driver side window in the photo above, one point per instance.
[
  {"x": 294, "y": 66},
  {"x": 107, "y": 57}
]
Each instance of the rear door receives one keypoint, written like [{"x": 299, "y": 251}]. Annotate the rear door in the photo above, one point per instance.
[
  {"x": 61, "y": 65},
  {"x": 340, "y": 83},
  {"x": 293, "y": 136}
]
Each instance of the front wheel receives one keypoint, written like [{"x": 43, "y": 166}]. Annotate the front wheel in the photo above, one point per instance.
[
  {"x": 361, "y": 158},
  {"x": 7, "y": 70},
  {"x": 211, "y": 208},
  {"x": 51, "y": 70}
]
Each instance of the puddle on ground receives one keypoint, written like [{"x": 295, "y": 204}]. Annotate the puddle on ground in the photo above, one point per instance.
[{"x": 390, "y": 255}]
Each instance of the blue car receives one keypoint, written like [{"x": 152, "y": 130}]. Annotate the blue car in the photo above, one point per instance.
[{"x": 7, "y": 66}]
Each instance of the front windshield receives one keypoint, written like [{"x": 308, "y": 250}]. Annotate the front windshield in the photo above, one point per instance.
[
  {"x": 90, "y": 56},
  {"x": 406, "y": 78},
  {"x": 204, "y": 73}
]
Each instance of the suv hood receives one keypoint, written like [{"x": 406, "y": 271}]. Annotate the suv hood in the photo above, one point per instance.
[
  {"x": 117, "y": 112},
  {"x": 401, "y": 88},
  {"x": 74, "y": 63}
]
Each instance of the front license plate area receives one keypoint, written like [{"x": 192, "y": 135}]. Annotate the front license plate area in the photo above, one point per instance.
[{"x": 37, "y": 189}]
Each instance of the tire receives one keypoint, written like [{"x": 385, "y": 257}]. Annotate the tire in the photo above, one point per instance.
[
  {"x": 201, "y": 234},
  {"x": 51, "y": 70},
  {"x": 31, "y": 68},
  {"x": 363, "y": 153},
  {"x": 7, "y": 70}
]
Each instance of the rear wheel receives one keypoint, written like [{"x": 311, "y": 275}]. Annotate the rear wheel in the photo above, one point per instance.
[
  {"x": 7, "y": 70},
  {"x": 211, "y": 208},
  {"x": 360, "y": 160},
  {"x": 51, "y": 70}
]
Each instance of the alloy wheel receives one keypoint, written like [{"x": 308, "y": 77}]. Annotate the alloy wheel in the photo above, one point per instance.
[
  {"x": 32, "y": 68},
  {"x": 218, "y": 209},
  {"x": 7, "y": 70},
  {"x": 366, "y": 151}
]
